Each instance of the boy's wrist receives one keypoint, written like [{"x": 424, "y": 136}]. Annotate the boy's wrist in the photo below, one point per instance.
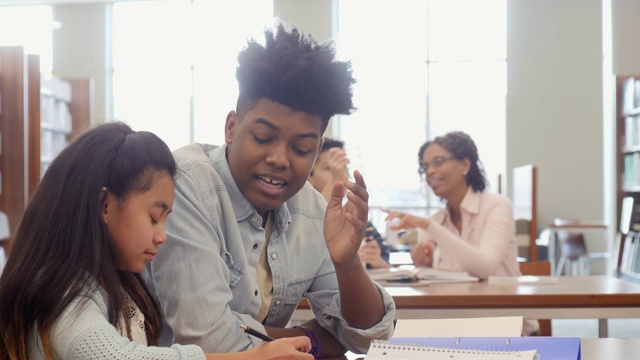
[{"x": 316, "y": 345}]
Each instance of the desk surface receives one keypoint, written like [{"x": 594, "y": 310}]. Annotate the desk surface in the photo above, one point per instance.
[
  {"x": 573, "y": 297},
  {"x": 591, "y": 349},
  {"x": 570, "y": 291}
]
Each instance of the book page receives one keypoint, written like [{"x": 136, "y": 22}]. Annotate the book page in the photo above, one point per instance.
[
  {"x": 507, "y": 326},
  {"x": 381, "y": 350},
  {"x": 418, "y": 276}
]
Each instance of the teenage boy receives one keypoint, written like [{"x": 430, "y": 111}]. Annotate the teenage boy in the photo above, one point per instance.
[{"x": 249, "y": 237}]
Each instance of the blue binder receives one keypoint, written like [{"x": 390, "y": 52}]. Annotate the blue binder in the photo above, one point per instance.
[{"x": 548, "y": 347}]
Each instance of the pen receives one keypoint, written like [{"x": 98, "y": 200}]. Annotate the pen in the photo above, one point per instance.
[{"x": 255, "y": 333}]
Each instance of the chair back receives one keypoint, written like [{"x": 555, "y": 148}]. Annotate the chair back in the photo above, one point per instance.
[
  {"x": 538, "y": 268},
  {"x": 572, "y": 244}
]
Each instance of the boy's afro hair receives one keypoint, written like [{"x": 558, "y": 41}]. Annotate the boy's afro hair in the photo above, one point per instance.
[{"x": 296, "y": 71}]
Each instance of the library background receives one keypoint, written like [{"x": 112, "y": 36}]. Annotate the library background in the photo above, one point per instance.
[{"x": 519, "y": 90}]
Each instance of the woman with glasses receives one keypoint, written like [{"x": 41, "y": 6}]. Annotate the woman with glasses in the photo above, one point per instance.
[{"x": 475, "y": 232}]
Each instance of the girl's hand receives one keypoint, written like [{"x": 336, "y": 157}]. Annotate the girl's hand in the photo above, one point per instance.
[
  {"x": 293, "y": 348},
  {"x": 370, "y": 254}
]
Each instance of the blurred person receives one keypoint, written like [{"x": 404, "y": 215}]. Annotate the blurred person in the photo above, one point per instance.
[{"x": 331, "y": 166}]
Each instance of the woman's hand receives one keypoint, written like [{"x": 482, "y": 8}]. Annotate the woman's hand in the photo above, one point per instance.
[
  {"x": 422, "y": 254},
  {"x": 407, "y": 221},
  {"x": 371, "y": 254}
]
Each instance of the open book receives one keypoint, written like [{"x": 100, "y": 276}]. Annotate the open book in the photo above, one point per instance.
[{"x": 418, "y": 276}]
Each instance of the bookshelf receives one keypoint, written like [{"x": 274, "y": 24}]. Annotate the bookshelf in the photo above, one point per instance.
[
  {"x": 628, "y": 175},
  {"x": 33, "y": 109}
]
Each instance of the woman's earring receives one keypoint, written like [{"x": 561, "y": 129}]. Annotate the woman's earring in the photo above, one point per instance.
[{"x": 464, "y": 173}]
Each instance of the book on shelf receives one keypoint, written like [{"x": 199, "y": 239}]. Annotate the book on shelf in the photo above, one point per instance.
[
  {"x": 631, "y": 170},
  {"x": 630, "y": 262},
  {"x": 631, "y": 133},
  {"x": 630, "y": 94},
  {"x": 418, "y": 276}
]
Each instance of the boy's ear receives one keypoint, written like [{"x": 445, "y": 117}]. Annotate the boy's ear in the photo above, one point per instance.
[{"x": 230, "y": 126}]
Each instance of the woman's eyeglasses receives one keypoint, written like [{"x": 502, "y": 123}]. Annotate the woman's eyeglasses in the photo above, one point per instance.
[{"x": 436, "y": 163}]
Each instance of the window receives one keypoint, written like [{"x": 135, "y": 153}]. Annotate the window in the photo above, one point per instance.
[
  {"x": 30, "y": 27},
  {"x": 175, "y": 75},
  {"x": 424, "y": 68}
]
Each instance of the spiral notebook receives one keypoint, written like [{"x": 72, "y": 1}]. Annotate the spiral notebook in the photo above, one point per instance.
[
  {"x": 383, "y": 350},
  {"x": 547, "y": 347}
]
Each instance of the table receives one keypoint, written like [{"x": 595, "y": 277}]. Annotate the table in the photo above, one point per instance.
[
  {"x": 590, "y": 349},
  {"x": 573, "y": 297}
]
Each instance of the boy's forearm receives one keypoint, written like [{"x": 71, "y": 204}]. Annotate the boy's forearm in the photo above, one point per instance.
[{"x": 360, "y": 300}]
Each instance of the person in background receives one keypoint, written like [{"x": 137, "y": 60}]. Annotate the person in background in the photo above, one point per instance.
[
  {"x": 331, "y": 166},
  {"x": 475, "y": 232},
  {"x": 250, "y": 237},
  {"x": 72, "y": 288}
]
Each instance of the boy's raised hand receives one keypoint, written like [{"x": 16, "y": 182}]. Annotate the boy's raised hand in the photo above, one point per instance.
[{"x": 344, "y": 225}]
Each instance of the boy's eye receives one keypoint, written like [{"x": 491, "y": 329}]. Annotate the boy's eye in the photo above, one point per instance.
[
  {"x": 301, "y": 152},
  {"x": 260, "y": 140},
  {"x": 153, "y": 221}
]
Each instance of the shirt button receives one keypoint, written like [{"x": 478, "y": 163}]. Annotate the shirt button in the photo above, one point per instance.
[
  {"x": 256, "y": 293},
  {"x": 255, "y": 246},
  {"x": 277, "y": 302},
  {"x": 274, "y": 256},
  {"x": 254, "y": 218}
]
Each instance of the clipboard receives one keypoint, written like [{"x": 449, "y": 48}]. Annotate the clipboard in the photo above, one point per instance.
[{"x": 548, "y": 347}]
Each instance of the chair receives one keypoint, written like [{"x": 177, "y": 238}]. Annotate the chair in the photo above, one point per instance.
[
  {"x": 525, "y": 210},
  {"x": 539, "y": 268},
  {"x": 573, "y": 251},
  {"x": 574, "y": 254}
]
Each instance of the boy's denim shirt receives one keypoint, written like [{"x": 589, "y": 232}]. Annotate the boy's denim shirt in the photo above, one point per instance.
[{"x": 205, "y": 274}]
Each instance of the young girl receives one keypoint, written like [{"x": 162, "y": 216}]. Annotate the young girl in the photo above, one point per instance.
[{"x": 72, "y": 287}]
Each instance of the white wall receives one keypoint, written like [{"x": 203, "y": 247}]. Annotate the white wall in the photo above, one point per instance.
[
  {"x": 80, "y": 48},
  {"x": 554, "y": 103},
  {"x": 313, "y": 16},
  {"x": 625, "y": 28}
]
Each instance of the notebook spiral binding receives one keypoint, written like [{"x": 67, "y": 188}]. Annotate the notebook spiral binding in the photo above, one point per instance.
[{"x": 384, "y": 345}]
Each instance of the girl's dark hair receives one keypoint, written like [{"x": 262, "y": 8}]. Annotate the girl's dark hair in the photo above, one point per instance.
[
  {"x": 461, "y": 146},
  {"x": 294, "y": 70},
  {"x": 62, "y": 249}
]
